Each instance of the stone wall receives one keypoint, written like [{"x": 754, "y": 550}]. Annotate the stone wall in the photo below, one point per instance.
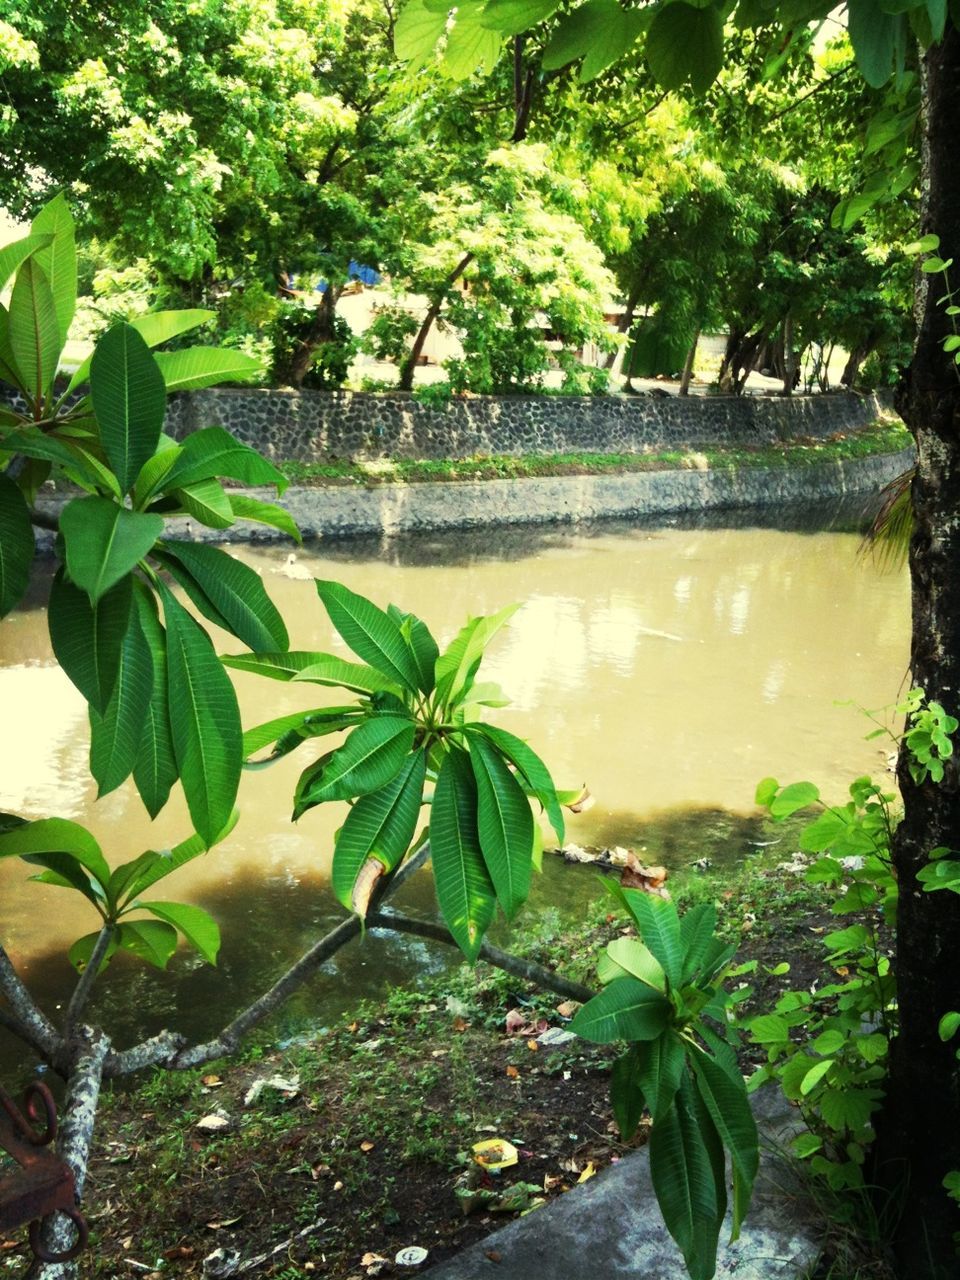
[{"x": 323, "y": 426}]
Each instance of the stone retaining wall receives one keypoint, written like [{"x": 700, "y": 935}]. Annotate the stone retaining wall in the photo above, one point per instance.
[
  {"x": 389, "y": 509},
  {"x": 323, "y": 426}
]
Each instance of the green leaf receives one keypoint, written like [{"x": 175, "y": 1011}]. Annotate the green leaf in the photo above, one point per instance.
[
  {"x": 126, "y": 875},
  {"x": 87, "y": 638},
  {"x": 660, "y": 1064},
  {"x": 504, "y": 824},
  {"x": 873, "y": 35},
  {"x": 948, "y": 1026},
  {"x": 81, "y": 951},
  {"x": 157, "y": 327},
  {"x": 371, "y": 634},
  {"x": 465, "y": 892},
  {"x": 769, "y": 1028},
  {"x": 532, "y": 770},
  {"x": 207, "y": 502},
  {"x": 197, "y": 926},
  {"x": 303, "y": 724},
  {"x": 235, "y": 591},
  {"x": 57, "y": 835},
  {"x": 327, "y": 669},
  {"x": 626, "y": 1009},
  {"x": 370, "y": 757},
  {"x": 16, "y": 545},
  {"x": 766, "y": 790},
  {"x": 514, "y": 17},
  {"x": 58, "y": 259},
  {"x": 696, "y": 936},
  {"x": 104, "y": 541},
  {"x": 798, "y": 795},
  {"x": 683, "y": 1176},
  {"x": 195, "y": 367},
  {"x": 471, "y": 47},
  {"x": 458, "y": 664},
  {"x": 421, "y": 644},
  {"x": 204, "y": 721},
  {"x": 630, "y": 956},
  {"x": 849, "y": 1107},
  {"x": 626, "y": 1095},
  {"x": 659, "y": 927},
  {"x": 245, "y": 508},
  {"x": 116, "y": 734},
  {"x": 380, "y": 825},
  {"x": 685, "y": 43},
  {"x": 155, "y": 770},
  {"x": 281, "y": 666},
  {"x": 213, "y": 453},
  {"x": 926, "y": 244},
  {"x": 129, "y": 400},
  {"x": 937, "y": 13},
  {"x": 725, "y": 1096},
  {"x": 417, "y": 31},
  {"x": 168, "y": 861},
  {"x": 152, "y": 940},
  {"x": 65, "y": 870},
  {"x": 34, "y": 330},
  {"x": 11, "y": 255}
]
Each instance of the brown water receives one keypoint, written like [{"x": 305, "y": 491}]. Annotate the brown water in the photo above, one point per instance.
[{"x": 669, "y": 669}]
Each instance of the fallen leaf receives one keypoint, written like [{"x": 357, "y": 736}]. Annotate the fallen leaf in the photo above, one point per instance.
[
  {"x": 215, "y": 1122},
  {"x": 212, "y": 1082},
  {"x": 352, "y": 1026},
  {"x": 369, "y": 1259},
  {"x": 570, "y": 1165},
  {"x": 532, "y": 1046},
  {"x": 588, "y": 1172},
  {"x": 551, "y": 1181},
  {"x": 568, "y": 1008},
  {"x": 512, "y": 1072},
  {"x": 338, "y": 1185},
  {"x": 367, "y": 1145},
  {"x": 320, "y": 1171},
  {"x": 493, "y": 1256},
  {"x": 179, "y": 1251},
  {"x": 459, "y": 1025},
  {"x": 225, "y": 1222}
]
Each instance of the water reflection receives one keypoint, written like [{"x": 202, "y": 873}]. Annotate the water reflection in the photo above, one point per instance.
[{"x": 670, "y": 668}]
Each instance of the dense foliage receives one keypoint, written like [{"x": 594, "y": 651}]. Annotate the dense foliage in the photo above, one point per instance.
[{"x": 248, "y": 156}]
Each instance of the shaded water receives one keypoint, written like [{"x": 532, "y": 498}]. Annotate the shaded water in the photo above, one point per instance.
[{"x": 668, "y": 668}]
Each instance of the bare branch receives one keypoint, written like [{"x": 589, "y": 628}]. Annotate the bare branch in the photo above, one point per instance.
[
  {"x": 81, "y": 993},
  {"x": 227, "y": 1040},
  {"x": 528, "y": 970},
  {"x": 88, "y": 1053},
  {"x": 38, "y": 1031},
  {"x": 44, "y": 520}
]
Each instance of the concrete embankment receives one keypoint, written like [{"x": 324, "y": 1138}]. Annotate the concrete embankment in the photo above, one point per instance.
[{"x": 386, "y": 509}]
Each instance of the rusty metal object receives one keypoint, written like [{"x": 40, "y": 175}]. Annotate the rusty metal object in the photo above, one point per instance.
[{"x": 43, "y": 1183}]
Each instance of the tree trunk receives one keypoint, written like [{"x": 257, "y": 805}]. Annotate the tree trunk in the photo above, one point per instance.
[
  {"x": 408, "y": 368},
  {"x": 851, "y": 369},
  {"x": 616, "y": 358},
  {"x": 789, "y": 356},
  {"x": 321, "y": 330},
  {"x": 687, "y": 373},
  {"x": 920, "y": 1124}
]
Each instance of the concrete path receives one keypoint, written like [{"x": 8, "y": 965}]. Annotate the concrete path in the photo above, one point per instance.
[{"x": 611, "y": 1226}]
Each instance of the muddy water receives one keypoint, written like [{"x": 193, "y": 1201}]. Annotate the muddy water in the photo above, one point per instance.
[{"x": 670, "y": 669}]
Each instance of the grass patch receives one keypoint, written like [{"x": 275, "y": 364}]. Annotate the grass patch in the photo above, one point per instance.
[
  {"x": 880, "y": 438},
  {"x": 372, "y": 1139}
]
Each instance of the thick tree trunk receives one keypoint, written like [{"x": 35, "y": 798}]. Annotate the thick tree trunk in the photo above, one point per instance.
[
  {"x": 320, "y": 331},
  {"x": 616, "y": 358},
  {"x": 687, "y": 373},
  {"x": 920, "y": 1125},
  {"x": 408, "y": 368},
  {"x": 851, "y": 369}
]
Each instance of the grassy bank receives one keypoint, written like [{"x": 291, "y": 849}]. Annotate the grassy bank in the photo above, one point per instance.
[
  {"x": 884, "y": 437},
  {"x": 342, "y": 1148}
]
